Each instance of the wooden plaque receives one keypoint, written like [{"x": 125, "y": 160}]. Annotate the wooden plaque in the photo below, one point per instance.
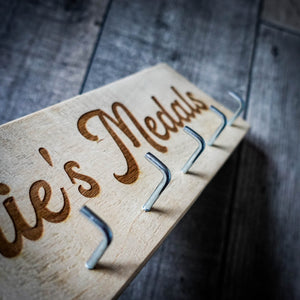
[{"x": 90, "y": 150}]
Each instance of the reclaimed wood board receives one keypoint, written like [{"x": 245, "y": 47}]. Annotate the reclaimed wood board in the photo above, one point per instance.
[{"x": 90, "y": 150}]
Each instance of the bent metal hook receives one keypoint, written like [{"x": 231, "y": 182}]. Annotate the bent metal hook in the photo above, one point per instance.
[
  {"x": 220, "y": 128},
  {"x": 107, "y": 233},
  {"x": 162, "y": 185},
  {"x": 239, "y": 110},
  {"x": 198, "y": 151}
]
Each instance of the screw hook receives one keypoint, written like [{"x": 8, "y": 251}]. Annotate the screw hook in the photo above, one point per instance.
[
  {"x": 221, "y": 127},
  {"x": 198, "y": 151},
  {"x": 162, "y": 185},
  {"x": 241, "y": 102},
  {"x": 99, "y": 251}
]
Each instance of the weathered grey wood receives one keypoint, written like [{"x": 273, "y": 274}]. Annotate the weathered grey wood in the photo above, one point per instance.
[
  {"x": 44, "y": 52},
  {"x": 211, "y": 44},
  {"x": 285, "y": 13},
  {"x": 264, "y": 246}
]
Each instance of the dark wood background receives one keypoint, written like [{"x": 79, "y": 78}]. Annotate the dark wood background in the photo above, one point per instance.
[{"x": 241, "y": 239}]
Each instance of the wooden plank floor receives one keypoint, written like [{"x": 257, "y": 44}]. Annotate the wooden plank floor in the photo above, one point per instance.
[
  {"x": 45, "y": 49},
  {"x": 282, "y": 13},
  {"x": 264, "y": 244},
  {"x": 241, "y": 239}
]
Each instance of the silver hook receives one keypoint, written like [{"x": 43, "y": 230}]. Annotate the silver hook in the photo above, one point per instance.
[
  {"x": 221, "y": 127},
  {"x": 198, "y": 151},
  {"x": 239, "y": 110},
  {"x": 162, "y": 185},
  {"x": 97, "y": 254}
]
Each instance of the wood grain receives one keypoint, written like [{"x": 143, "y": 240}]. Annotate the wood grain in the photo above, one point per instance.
[
  {"x": 47, "y": 241},
  {"x": 44, "y": 52},
  {"x": 264, "y": 244},
  {"x": 210, "y": 43},
  {"x": 285, "y": 13}
]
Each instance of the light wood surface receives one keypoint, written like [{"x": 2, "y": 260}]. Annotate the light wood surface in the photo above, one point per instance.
[
  {"x": 211, "y": 44},
  {"x": 53, "y": 264},
  {"x": 232, "y": 243}
]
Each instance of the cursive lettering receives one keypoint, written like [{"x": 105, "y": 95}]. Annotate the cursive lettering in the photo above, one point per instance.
[
  {"x": 184, "y": 112},
  {"x": 21, "y": 227},
  {"x": 94, "y": 189}
]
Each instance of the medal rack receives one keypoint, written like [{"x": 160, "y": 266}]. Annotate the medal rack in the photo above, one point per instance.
[{"x": 83, "y": 210}]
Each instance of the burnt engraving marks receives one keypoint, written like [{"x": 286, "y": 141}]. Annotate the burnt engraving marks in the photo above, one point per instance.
[{"x": 182, "y": 110}]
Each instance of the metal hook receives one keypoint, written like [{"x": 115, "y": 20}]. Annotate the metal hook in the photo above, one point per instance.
[
  {"x": 221, "y": 127},
  {"x": 97, "y": 254},
  {"x": 198, "y": 151},
  {"x": 162, "y": 185},
  {"x": 241, "y": 102}
]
